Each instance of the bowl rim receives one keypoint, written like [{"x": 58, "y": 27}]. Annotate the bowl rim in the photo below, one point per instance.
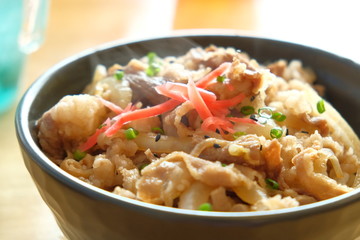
[{"x": 25, "y": 139}]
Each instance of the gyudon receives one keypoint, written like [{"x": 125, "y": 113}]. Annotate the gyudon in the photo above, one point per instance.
[{"x": 210, "y": 130}]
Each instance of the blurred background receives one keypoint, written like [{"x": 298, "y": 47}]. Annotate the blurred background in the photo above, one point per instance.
[{"x": 76, "y": 25}]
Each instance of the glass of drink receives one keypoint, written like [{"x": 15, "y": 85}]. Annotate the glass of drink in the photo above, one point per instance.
[{"x": 22, "y": 26}]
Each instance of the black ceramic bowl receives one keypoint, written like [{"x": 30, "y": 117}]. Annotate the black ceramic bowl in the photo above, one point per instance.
[{"x": 86, "y": 212}]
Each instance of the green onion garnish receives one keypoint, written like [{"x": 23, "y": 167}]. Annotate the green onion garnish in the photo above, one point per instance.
[
  {"x": 119, "y": 75},
  {"x": 78, "y": 155},
  {"x": 223, "y": 164},
  {"x": 278, "y": 116},
  {"x": 205, "y": 207},
  {"x": 247, "y": 110},
  {"x": 152, "y": 70},
  {"x": 238, "y": 134},
  {"x": 276, "y": 132},
  {"x": 321, "y": 106},
  {"x": 272, "y": 183},
  {"x": 151, "y": 57},
  {"x": 154, "y": 67},
  {"x": 157, "y": 130},
  {"x": 131, "y": 133},
  {"x": 220, "y": 79},
  {"x": 265, "y": 112}
]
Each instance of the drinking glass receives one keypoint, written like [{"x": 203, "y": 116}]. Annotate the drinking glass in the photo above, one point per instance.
[{"x": 22, "y": 27}]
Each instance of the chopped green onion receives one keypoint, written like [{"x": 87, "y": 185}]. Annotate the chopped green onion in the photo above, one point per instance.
[
  {"x": 278, "y": 116},
  {"x": 265, "y": 112},
  {"x": 152, "y": 70},
  {"x": 78, "y": 155},
  {"x": 151, "y": 57},
  {"x": 272, "y": 183},
  {"x": 157, "y": 130},
  {"x": 247, "y": 110},
  {"x": 238, "y": 134},
  {"x": 223, "y": 164},
  {"x": 321, "y": 106},
  {"x": 154, "y": 67},
  {"x": 131, "y": 133},
  {"x": 205, "y": 207},
  {"x": 276, "y": 132},
  {"x": 119, "y": 75},
  {"x": 220, "y": 79}
]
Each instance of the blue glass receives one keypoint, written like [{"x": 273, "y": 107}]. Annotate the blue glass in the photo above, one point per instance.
[
  {"x": 22, "y": 26},
  {"x": 11, "y": 58}
]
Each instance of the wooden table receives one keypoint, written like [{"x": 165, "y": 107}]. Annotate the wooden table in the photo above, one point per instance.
[{"x": 75, "y": 25}]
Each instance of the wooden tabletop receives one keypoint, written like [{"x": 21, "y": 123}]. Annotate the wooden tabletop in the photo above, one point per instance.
[{"x": 75, "y": 25}]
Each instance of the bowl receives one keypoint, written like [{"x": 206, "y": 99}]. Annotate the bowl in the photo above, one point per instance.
[{"x": 83, "y": 211}]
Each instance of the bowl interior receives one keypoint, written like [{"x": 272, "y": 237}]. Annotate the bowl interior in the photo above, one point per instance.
[{"x": 339, "y": 75}]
